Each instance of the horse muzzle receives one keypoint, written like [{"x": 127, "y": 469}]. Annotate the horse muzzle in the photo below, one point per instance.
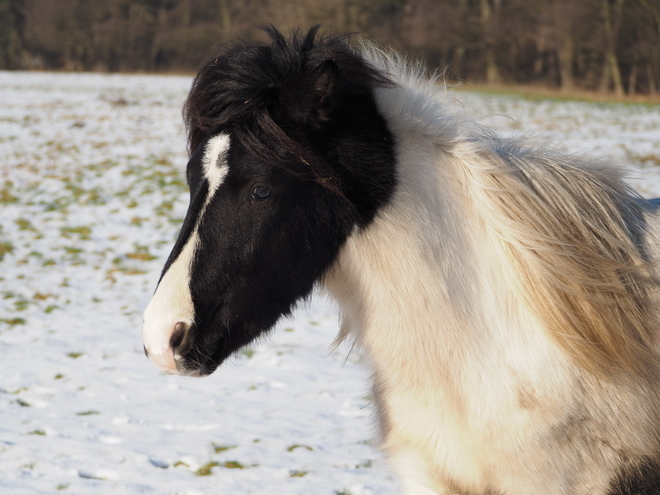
[{"x": 169, "y": 355}]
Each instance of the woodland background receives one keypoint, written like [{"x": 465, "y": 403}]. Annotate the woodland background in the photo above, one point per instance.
[{"x": 599, "y": 45}]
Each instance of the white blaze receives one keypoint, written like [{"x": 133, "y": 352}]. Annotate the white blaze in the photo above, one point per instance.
[
  {"x": 215, "y": 164},
  {"x": 170, "y": 304},
  {"x": 172, "y": 301}
]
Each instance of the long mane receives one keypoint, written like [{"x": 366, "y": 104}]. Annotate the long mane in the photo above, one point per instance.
[
  {"x": 571, "y": 229},
  {"x": 257, "y": 88},
  {"x": 573, "y": 233}
]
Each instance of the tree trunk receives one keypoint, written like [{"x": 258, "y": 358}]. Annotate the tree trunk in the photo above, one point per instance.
[
  {"x": 225, "y": 17},
  {"x": 459, "y": 60},
  {"x": 566, "y": 54},
  {"x": 650, "y": 74},
  {"x": 650, "y": 71},
  {"x": 632, "y": 80},
  {"x": 160, "y": 30},
  {"x": 611, "y": 24},
  {"x": 492, "y": 71},
  {"x": 655, "y": 12},
  {"x": 616, "y": 73},
  {"x": 459, "y": 55},
  {"x": 7, "y": 33}
]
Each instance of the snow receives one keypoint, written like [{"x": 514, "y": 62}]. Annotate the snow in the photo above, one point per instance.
[{"x": 92, "y": 193}]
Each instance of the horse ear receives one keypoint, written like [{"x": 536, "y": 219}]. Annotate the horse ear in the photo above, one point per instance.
[{"x": 325, "y": 90}]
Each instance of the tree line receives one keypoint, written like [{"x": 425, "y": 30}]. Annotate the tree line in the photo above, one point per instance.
[{"x": 604, "y": 45}]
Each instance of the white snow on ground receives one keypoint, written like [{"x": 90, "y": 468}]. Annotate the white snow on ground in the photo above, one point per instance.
[{"x": 91, "y": 196}]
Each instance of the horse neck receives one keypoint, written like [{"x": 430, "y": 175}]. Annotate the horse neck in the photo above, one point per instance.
[{"x": 424, "y": 282}]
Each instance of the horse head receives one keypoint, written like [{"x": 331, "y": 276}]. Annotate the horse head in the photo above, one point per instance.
[{"x": 288, "y": 155}]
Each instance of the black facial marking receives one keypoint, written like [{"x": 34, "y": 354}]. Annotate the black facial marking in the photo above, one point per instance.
[
  {"x": 310, "y": 160},
  {"x": 199, "y": 189}
]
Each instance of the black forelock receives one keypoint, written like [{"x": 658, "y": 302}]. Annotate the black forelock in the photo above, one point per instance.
[{"x": 264, "y": 94}]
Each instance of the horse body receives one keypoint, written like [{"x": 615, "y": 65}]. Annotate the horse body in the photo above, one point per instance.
[
  {"x": 473, "y": 395},
  {"x": 503, "y": 294},
  {"x": 465, "y": 377}
]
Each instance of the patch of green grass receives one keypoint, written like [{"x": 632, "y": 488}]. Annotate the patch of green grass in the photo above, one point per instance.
[
  {"x": 652, "y": 158},
  {"x": 5, "y": 248},
  {"x": 23, "y": 403},
  {"x": 43, "y": 297},
  {"x": 13, "y": 321},
  {"x": 62, "y": 486},
  {"x": 297, "y": 474},
  {"x": 299, "y": 446},
  {"x": 222, "y": 448},
  {"x": 133, "y": 271},
  {"x": 87, "y": 413},
  {"x": 164, "y": 208},
  {"x": 247, "y": 352},
  {"x": 6, "y": 195},
  {"x": 233, "y": 465},
  {"x": 57, "y": 146},
  {"x": 25, "y": 224},
  {"x": 75, "y": 355},
  {"x": 40, "y": 433},
  {"x": 21, "y": 305},
  {"x": 162, "y": 161},
  {"x": 73, "y": 255},
  {"x": 141, "y": 253},
  {"x": 57, "y": 204},
  {"x": 206, "y": 469},
  {"x": 83, "y": 232},
  {"x": 94, "y": 197}
]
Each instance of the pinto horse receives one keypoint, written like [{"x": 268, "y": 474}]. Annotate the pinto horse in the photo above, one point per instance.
[{"x": 504, "y": 294}]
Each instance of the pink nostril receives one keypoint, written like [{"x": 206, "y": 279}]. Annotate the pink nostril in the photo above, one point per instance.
[{"x": 165, "y": 349}]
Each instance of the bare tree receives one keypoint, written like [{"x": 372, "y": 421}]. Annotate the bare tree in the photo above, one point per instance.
[
  {"x": 571, "y": 44},
  {"x": 489, "y": 18},
  {"x": 612, "y": 16}
]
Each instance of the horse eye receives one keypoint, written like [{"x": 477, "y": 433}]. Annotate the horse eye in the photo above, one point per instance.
[{"x": 260, "y": 193}]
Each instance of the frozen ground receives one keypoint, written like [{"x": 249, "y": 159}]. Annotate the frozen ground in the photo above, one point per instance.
[{"x": 91, "y": 195}]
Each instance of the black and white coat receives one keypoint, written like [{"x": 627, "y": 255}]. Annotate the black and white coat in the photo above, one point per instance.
[{"x": 456, "y": 258}]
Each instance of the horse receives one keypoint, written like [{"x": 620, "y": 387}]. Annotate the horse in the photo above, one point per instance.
[{"x": 504, "y": 294}]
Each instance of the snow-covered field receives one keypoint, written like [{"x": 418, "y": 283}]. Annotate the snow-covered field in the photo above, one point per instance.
[{"x": 91, "y": 196}]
